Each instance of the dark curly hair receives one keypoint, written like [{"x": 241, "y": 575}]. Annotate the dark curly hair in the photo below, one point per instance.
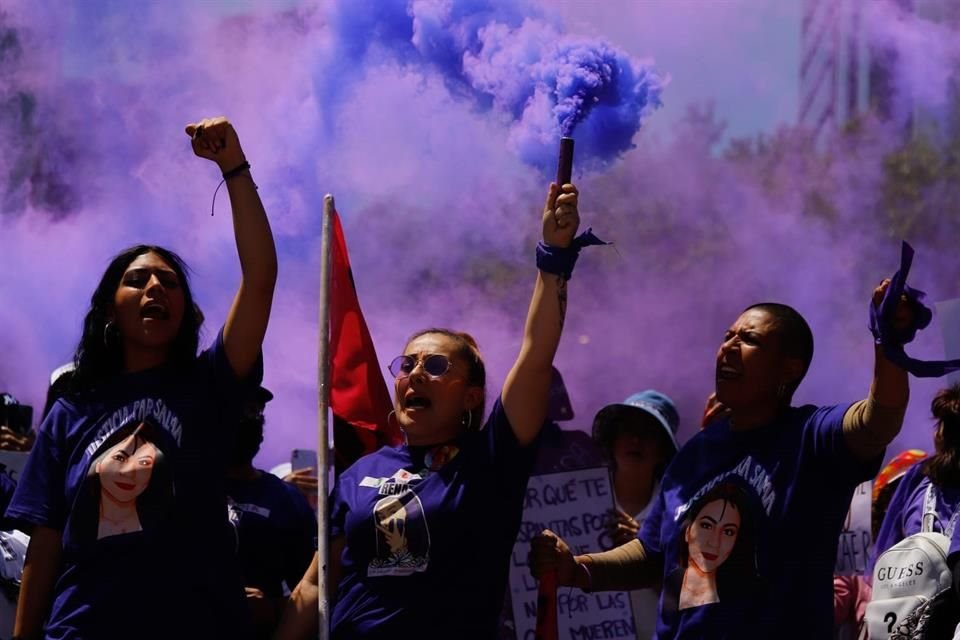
[{"x": 98, "y": 358}]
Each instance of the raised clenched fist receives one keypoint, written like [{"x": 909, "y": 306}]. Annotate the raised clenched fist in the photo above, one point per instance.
[{"x": 216, "y": 139}]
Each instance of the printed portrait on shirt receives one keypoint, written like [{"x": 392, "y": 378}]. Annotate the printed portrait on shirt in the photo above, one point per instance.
[
  {"x": 403, "y": 540},
  {"x": 129, "y": 486},
  {"x": 717, "y": 549}
]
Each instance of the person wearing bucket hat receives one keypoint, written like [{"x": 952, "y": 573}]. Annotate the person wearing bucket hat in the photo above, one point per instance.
[
  {"x": 798, "y": 467},
  {"x": 638, "y": 438}
]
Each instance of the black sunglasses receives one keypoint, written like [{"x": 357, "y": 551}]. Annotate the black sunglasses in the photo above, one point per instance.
[{"x": 435, "y": 365}]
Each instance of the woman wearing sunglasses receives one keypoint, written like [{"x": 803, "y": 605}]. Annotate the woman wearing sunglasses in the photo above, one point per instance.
[{"x": 421, "y": 533}]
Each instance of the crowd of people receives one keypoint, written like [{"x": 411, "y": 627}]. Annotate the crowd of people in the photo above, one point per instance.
[{"x": 147, "y": 518}]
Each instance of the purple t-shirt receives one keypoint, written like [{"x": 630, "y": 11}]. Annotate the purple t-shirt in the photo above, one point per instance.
[
  {"x": 428, "y": 544},
  {"x": 747, "y": 525},
  {"x": 904, "y": 516},
  {"x": 133, "y": 476},
  {"x": 276, "y": 532}
]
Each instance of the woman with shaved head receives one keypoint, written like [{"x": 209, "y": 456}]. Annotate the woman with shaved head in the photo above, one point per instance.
[{"x": 760, "y": 493}]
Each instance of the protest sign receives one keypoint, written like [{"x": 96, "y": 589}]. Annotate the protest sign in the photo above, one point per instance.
[
  {"x": 574, "y": 505},
  {"x": 855, "y": 539}
]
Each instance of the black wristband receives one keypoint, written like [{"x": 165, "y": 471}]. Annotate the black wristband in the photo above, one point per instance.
[{"x": 233, "y": 173}]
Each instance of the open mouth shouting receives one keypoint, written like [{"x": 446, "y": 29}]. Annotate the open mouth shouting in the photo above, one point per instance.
[
  {"x": 414, "y": 402},
  {"x": 155, "y": 311},
  {"x": 726, "y": 372}
]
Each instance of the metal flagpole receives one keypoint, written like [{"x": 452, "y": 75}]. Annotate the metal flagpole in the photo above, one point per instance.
[{"x": 323, "y": 412}]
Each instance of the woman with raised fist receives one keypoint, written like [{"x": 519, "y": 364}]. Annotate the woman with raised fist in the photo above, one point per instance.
[
  {"x": 421, "y": 534},
  {"x": 123, "y": 491}
]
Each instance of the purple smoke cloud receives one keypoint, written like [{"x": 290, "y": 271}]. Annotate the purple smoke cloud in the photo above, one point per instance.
[
  {"x": 424, "y": 119},
  {"x": 504, "y": 55}
]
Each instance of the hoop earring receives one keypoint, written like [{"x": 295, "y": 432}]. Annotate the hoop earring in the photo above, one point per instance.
[
  {"x": 109, "y": 331},
  {"x": 468, "y": 421}
]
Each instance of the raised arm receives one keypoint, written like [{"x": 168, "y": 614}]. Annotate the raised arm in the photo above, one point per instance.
[
  {"x": 246, "y": 325},
  {"x": 527, "y": 387},
  {"x": 872, "y": 424}
]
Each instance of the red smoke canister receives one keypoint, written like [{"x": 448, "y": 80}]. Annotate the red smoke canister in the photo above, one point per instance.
[
  {"x": 547, "y": 626},
  {"x": 565, "y": 162}
]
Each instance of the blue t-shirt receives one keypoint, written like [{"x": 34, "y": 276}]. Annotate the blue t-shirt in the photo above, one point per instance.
[
  {"x": 132, "y": 474},
  {"x": 904, "y": 516},
  {"x": 276, "y": 532},
  {"x": 747, "y": 525},
  {"x": 429, "y": 532}
]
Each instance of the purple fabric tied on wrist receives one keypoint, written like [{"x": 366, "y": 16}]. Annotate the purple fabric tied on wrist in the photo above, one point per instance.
[
  {"x": 891, "y": 340},
  {"x": 561, "y": 260}
]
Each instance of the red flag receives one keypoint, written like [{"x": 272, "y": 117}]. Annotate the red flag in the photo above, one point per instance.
[{"x": 359, "y": 398}]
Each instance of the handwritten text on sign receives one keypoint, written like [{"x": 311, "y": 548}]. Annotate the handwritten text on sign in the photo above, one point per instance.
[
  {"x": 855, "y": 539},
  {"x": 572, "y": 504}
]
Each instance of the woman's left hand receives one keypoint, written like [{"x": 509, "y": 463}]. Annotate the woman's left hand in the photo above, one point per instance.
[
  {"x": 560, "y": 215},
  {"x": 216, "y": 139},
  {"x": 622, "y": 527},
  {"x": 903, "y": 316}
]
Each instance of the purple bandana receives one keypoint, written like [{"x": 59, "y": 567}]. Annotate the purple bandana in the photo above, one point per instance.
[{"x": 891, "y": 339}]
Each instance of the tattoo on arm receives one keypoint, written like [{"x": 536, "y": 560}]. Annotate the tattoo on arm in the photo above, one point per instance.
[{"x": 562, "y": 298}]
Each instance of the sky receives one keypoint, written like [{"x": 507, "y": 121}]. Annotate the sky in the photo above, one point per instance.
[{"x": 434, "y": 123}]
